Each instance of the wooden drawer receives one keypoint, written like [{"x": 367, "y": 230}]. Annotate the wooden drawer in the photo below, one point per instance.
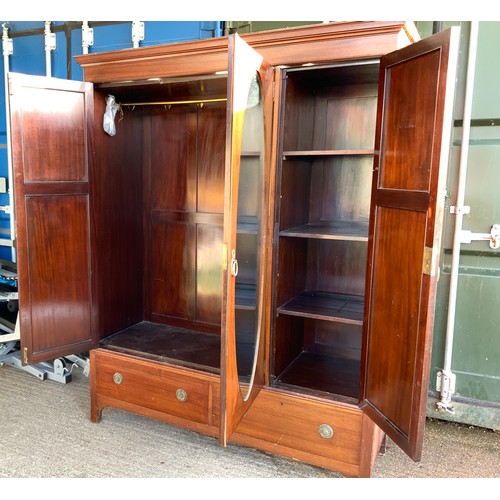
[
  {"x": 169, "y": 393},
  {"x": 298, "y": 428}
]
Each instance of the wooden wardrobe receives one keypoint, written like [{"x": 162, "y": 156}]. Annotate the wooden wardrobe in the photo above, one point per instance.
[{"x": 254, "y": 254}]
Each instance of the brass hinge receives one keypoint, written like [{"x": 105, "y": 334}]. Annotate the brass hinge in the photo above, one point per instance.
[
  {"x": 427, "y": 264},
  {"x": 25, "y": 355}
]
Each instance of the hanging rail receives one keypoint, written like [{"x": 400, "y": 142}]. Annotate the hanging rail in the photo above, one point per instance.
[{"x": 170, "y": 103}]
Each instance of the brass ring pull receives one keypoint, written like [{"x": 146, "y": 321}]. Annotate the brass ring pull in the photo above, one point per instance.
[
  {"x": 234, "y": 264},
  {"x": 181, "y": 395},
  {"x": 325, "y": 431}
]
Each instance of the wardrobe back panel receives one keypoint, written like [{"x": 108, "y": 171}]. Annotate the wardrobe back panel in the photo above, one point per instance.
[
  {"x": 342, "y": 265},
  {"x": 117, "y": 202},
  {"x": 341, "y": 189},
  {"x": 345, "y": 115},
  {"x": 172, "y": 268},
  {"x": 173, "y": 159},
  {"x": 185, "y": 214},
  {"x": 295, "y": 185},
  {"x": 298, "y": 109},
  {"x": 211, "y": 149}
]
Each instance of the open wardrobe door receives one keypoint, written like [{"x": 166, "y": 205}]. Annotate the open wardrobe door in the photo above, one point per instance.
[
  {"x": 411, "y": 159},
  {"x": 50, "y": 120},
  {"x": 245, "y": 232}
]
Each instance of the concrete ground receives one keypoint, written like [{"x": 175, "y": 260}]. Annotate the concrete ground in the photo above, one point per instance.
[
  {"x": 46, "y": 433},
  {"x": 450, "y": 450}
]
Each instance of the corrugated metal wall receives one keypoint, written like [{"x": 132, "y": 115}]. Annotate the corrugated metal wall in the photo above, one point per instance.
[{"x": 476, "y": 336}]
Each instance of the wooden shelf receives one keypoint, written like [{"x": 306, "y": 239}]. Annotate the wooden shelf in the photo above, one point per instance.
[
  {"x": 320, "y": 372},
  {"x": 326, "y": 306},
  {"x": 332, "y": 230},
  {"x": 328, "y": 152}
]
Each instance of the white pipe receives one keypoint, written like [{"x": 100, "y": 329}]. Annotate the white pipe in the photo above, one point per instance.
[
  {"x": 7, "y": 50},
  {"x": 48, "y": 49},
  {"x": 85, "y": 45},
  {"x": 87, "y": 37},
  {"x": 459, "y": 210}
]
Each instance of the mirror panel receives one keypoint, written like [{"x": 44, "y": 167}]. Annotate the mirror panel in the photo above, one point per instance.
[{"x": 248, "y": 304}]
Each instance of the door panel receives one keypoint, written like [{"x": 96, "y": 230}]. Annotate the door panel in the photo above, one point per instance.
[
  {"x": 60, "y": 292},
  {"x": 52, "y": 117},
  {"x": 50, "y": 152},
  {"x": 412, "y": 112},
  {"x": 404, "y": 260},
  {"x": 411, "y": 145},
  {"x": 242, "y": 348}
]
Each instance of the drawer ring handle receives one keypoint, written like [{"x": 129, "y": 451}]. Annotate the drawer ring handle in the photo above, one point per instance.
[
  {"x": 181, "y": 395},
  {"x": 325, "y": 431}
]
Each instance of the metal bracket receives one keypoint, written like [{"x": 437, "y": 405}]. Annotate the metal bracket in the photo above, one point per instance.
[
  {"x": 50, "y": 38},
  {"x": 87, "y": 36},
  {"x": 7, "y": 43},
  {"x": 445, "y": 385},
  {"x": 465, "y": 210},
  {"x": 468, "y": 236},
  {"x": 81, "y": 362},
  {"x": 137, "y": 32},
  {"x": 493, "y": 236},
  {"x": 43, "y": 371}
]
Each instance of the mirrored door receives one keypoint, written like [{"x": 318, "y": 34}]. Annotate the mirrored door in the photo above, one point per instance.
[{"x": 245, "y": 229}]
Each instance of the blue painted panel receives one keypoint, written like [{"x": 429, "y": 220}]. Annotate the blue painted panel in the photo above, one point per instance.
[
  {"x": 3, "y": 157},
  {"x": 112, "y": 37},
  {"x": 157, "y": 32},
  {"x": 5, "y": 252},
  {"x": 76, "y": 49},
  {"x": 29, "y": 55},
  {"x": 58, "y": 57},
  {"x": 2, "y": 103}
]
